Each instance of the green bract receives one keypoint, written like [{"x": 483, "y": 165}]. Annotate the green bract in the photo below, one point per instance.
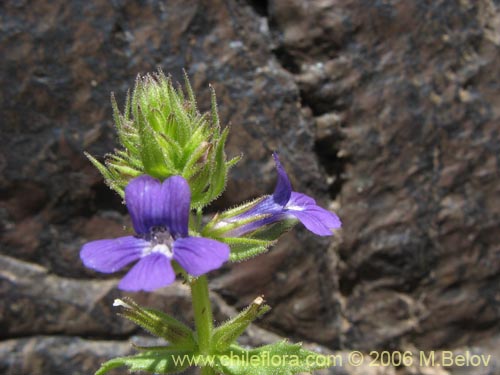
[{"x": 162, "y": 134}]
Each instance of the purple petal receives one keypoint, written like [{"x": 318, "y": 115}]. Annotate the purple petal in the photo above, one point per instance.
[
  {"x": 283, "y": 188},
  {"x": 141, "y": 197},
  {"x": 315, "y": 218},
  {"x": 152, "y": 203},
  {"x": 300, "y": 200},
  {"x": 265, "y": 206},
  {"x": 151, "y": 272},
  {"x": 111, "y": 255},
  {"x": 198, "y": 255},
  {"x": 250, "y": 227},
  {"x": 177, "y": 201}
]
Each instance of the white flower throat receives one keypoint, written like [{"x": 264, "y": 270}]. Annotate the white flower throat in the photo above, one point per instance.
[{"x": 161, "y": 241}]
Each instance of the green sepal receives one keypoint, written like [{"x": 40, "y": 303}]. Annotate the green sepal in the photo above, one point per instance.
[
  {"x": 126, "y": 136},
  {"x": 218, "y": 169},
  {"x": 243, "y": 248},
  {"x": 252, "y": 243},
  {"x": 126, "y": 170},
  {"x": 158, "y": 323},
  {"x": 275, "y": 230},
  {"x": 192, "y": 100},
  {"x": 280, "y": 358},
  {"x": 259, "y": 241},
  {"x": 124, "y": 158},
  {"x": 100, "y": 167},
  {"x": 165, "y": 361},
  {"x": 221, "y": 228},
  {"x": 224, "y": 222},
  {"x": 237, "y": 210},
  {"x": 226, "y": 334},
  {"x": 191, "y": 165},
  {"x": 199, "y": 186},
  {"x": 153, "y": 159}
]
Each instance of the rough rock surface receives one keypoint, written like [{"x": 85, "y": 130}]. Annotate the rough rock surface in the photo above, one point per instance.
[
  {"x": 408, "y": 100},
  {"x": 386, "y": 111}
]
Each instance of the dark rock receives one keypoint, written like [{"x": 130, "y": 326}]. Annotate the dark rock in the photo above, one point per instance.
[
  {"x": 78, "y": 55},
  {"x": 36, "y": 302},
  {"x": 58, "y": 355},
  {"x": 398, "y": 101},
  {"x": 285, "y": 274},
  {"x": 406, "y": 119}
]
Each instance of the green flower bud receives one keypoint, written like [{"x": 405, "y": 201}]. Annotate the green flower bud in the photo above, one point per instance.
[{"x": 162, "y": 134}]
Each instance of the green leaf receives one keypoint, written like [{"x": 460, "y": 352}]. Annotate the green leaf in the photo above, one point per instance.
[
  {"x": 226, "y": 334},
  {"x": 231, "y": 163},
  {"x": 280, "y": 358},
  {"x": 158, "y": 323},
  {"x": 166, "y": 361}
]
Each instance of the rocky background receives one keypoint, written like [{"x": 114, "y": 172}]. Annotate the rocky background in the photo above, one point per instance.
[{"x": 386, "y": 111}]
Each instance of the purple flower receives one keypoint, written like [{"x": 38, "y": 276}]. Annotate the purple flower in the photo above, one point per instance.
[
  {"x": 284, "y": 204},
  {"x": 160, "y": 216}
]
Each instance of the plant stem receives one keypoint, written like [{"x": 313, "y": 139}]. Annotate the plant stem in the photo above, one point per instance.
[
  {"x": 203, "y": 319},
  {"x": 207, "y": 371}
]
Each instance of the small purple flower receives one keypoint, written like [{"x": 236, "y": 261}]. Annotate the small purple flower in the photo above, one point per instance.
[
  {"x": 285, "y": 203},
  {"x": 160, "y": 216}
]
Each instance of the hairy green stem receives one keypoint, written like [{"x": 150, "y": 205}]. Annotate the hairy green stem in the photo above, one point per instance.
[{"x": 203, "y": 319}]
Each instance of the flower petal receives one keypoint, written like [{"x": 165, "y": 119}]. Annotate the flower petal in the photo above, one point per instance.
[
  {"x": 265, "y": 206},
  {"x": 283, "y": 188},
  {"x": 151, "y": 272},
  {"x": 111, "y": 255},
  {"x": 152, "y": 203},
  {"x": 141, "y": 196},
  {"x": 176, "y": 204},
  {"x": 198, "y": 255},
  {"x": 300, "y": 201},
  {"x": 317, "y": 220}
]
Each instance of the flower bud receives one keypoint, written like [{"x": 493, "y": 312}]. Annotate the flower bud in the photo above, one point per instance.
[{"x": 162, "y": 134}]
